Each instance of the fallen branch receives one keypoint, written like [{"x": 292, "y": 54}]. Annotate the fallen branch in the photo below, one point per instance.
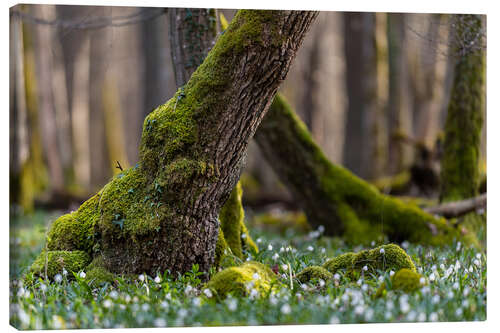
[{"x": 458, "y": 208}]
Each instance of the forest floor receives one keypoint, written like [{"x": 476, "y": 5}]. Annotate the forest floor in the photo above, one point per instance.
[{"x": 454, "y": 288}]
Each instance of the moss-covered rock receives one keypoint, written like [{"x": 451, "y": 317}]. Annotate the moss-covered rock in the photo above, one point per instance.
[
  {"x": 314, "y": 273},
  {"x": 383, "y": 258},
  {"x": 242, "y": 279},
  {"x": 404, "y": 280},
  {"x": 56, "y": 261}
]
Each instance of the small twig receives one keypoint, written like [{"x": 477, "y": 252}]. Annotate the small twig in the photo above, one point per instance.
[
  {"x": 118, "y": 166},
  {"x": 458, "y": 208}
]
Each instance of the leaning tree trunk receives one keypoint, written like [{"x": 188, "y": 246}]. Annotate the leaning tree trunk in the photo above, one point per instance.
[
  {"x": 162, "y": 214},
  {"x": 192, "y": 34},
  {"x": 461, "y": 149},
  {"x": 332, "y": 196}
]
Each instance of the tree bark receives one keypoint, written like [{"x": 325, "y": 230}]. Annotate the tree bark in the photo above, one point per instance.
[
  {"x": 464, "y": 122},
  {"x": 162, "y": 214},
  {"x": 332, "y": 196}
]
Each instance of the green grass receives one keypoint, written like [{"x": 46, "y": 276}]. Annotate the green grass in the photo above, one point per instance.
[{"x": 455, "y": 289}]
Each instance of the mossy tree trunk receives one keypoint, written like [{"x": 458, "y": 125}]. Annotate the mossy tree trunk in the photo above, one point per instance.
[
  {"x": 162, "y": 214},
  {"x": 192, "y": 34},
  {"x": 461, "y": 149},
  {"x": 331, "y": 195}
]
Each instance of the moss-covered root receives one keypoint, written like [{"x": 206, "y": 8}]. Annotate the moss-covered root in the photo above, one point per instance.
[
  {"x": 404, "y": 280},
  {"x": 54, "y": 262},
  {"x": 312, "y": 273},
  {"x": 232, "y": 224},
  {"x": 385, "y": 257},
  {"x": 97, "y": 274},
  {"x": 241, "y": 280},
  {"x": 335, "y": 198}
]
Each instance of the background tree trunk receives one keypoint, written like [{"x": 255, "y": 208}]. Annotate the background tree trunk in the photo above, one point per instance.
[{"x": 461, "y": 149}]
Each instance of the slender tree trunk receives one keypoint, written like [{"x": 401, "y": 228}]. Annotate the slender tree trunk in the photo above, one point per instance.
[
  {"x": 80, "y": 115},
  {"x": 364, "y": 54},
  {"x": 162, "y": 214},
  {"x": 332, "y": 196},
  {"x": 464, "y": 122},
  {"x": 399, "y": 108},
  {"x": 46, "y": 102}
]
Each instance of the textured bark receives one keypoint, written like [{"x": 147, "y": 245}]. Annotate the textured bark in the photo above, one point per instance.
[
  {"x": 464, "y": 122},
  {"x": 162, "y": 213},
  {"x": 192, "y": 34},
  {"x": 332, "y": 196},
  {"x": 365, "y": 54}
]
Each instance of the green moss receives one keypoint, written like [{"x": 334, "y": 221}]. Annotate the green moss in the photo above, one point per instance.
[
  {"x": 97, "y": 274},
  {"x": 72, "y": 261},
  {"x": 464, "y": 120},
  {"x": 343, "y": 261},
  {"x": 395, "y": 184},
  {"x": 404, "y": 280},
  {"x": 283, "y": 221},
  {"x": 75, "y": 231},
  {"x": 233, "y": 232},
  {"x": 314, "y": 273},
  {"x": 384, "y": 258},
  {"x": 241, "y": 279}
]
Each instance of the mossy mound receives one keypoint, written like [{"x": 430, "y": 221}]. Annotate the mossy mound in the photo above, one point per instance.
[
  {"x": 242, "y": 279},
  {"x": 404, "y": 280},
  {"x": 75, "y": 231},
  {"x": 314, "y": 273},
  {"x": 56, "y": 261},
  {"x": 385, "y": 257}
]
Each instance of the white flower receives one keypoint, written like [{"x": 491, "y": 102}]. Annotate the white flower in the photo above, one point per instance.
[
  {"x": 273, "y": 300},
  {"x": 321, "y": 229},
  {"x": 282, "y": 249},
  {"x": 310, "y": 248},
  {"x": 276, "y": 256},
  {"x": 442, "y": 267},
  {"x": 381, "y": 278},
  {"x": 405, "y": 244},
  {"x": 43, "y": 287},
  {"x": 157, "y": 279},
  {"x": 254, "y": 293},
  {"x": 459, "y": 312},
  {"x": 471, "y": 269},
  {"x": 422, "y": 280},
  {"x": 435, "y": 299},
  {"x": 83, "y": 275},
  {"x": 321, "y": 282},
  {"x": 141, "y": 277},
  {"x": 58, "y": 278},
  {"x": 259, "y": 240},
  {"x": 476, "y": 262},
  {"x": 382, "y": 251},
  {"x": 432, "y": 277},
  {"x": 412, "y": 315},
  {"x": 65, "y": 272},
  {"x": 188, "y": 289},
  {"x": 389, "y": 305},
  {"x": 107, "y": 303},
  {"x": 244, "y": 236},
  {"x": 391, "y": 273},
  {"x": 113, "y": 294},
  {"x": 145, "y": 307},
  {"x": 182, "y": 313},
  {"x": 255, "y": 276},
  {"x": 164, "y": 304},
  {"x": 422, "y": 316},
  {"x": 365, "y": 268},
  {"x": 359, "y": 309},
  {"x": 286, "y": 309},
  {"x": 478, "y": 255},
  {"x": 284, "y": 267},
  {"x": 208, "y": 293},
  {"x": 433, "y": 316},
  {"x": 359, "y": 282},
  {"x": 323, "y": 250},
  {"x": 364, "y": 287},
  {"x": 457, "y": 265},
  {"x": 455, "y": 285},
  {"x": 465, "y": 303},
  {"x": 269, "y": 247},
  {"x": 404, "y": 306},
  {"x": 369, "y": 314},
  {"x": 450, "y": 294},
  {"x": 334, "y": 320},
  {"x": 196, "y": 301},
  {"x": 304, "y": 286},
  {"x": 466, "y": 291},
  {"x": 232, "y": 304},
  {"x": 160, "y": 322}
]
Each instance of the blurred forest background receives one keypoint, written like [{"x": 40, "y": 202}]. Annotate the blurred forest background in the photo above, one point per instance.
[{"x": 373, "y": 89}]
